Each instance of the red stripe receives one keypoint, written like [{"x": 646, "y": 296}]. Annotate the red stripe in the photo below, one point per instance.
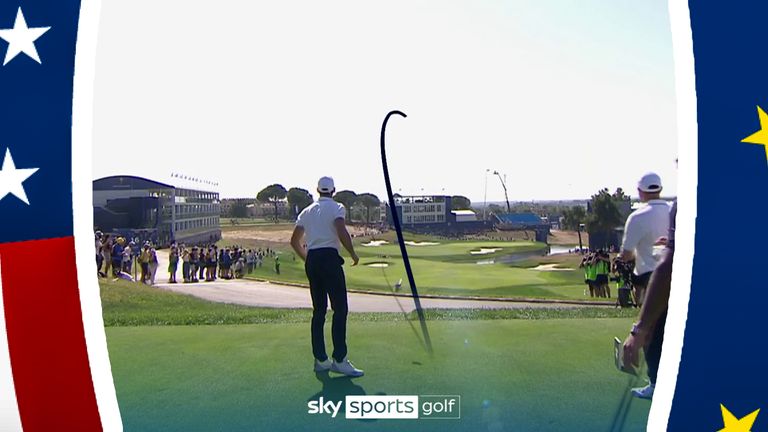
[{"x": 46, "y": 342}]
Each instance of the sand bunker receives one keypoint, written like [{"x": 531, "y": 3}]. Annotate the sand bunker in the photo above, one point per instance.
[
  {"x": 486, "y": 262},
  {"x": 484, "y": 251},
  {"x": 412, "y": 243},
  {"x": 374, "y": 243},
  {"x": 378, "y": 265},
  {"x": 549, "y": 267}
]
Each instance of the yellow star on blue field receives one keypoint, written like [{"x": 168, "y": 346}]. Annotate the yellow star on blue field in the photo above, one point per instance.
[
  {"x": 760, "y": 137},
  {"x": 732, "y": 424}
]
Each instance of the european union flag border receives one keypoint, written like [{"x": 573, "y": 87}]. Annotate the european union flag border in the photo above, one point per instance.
[{"x": 687, "y": 180}]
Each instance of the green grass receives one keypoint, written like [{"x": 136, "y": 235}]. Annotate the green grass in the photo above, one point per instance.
[
  {"x": 548, "y": 375},
  {"x": 450, "y": 269},
  {"x": 527, "y": 369},
  {"x": 131, "y": 304},
  {"x": 451, "y": 252},
  {"x": 444, "y": 269}
]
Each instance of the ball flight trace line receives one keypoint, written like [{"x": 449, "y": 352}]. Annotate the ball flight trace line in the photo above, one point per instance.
[
  {"x": 398, "y": 229},
  {"x": 405, "y": 314}
]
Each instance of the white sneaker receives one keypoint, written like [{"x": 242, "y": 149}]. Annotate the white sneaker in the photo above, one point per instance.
[
  {"x": 322, "y": 366},
  {"x": 644, "y": 392},
  {"x": 346, "y": 368}
]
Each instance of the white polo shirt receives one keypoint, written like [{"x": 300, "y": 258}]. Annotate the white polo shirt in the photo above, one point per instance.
[
  {"x": 644, "y": 226},
  {"x": 318, "y": 223}
]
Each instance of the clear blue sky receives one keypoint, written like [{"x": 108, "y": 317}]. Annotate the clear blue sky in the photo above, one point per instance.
[{"x": 564, "y": 97}]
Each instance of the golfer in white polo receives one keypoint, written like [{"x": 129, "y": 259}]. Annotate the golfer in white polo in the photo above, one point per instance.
[
  {"x": 641, "y": 231},
  {"x": 322, "y": 225}
]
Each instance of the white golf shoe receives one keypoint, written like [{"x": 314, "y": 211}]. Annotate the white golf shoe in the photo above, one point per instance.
[
  {"x": 644, "y": 392},
  {"x": 346, "y": 368},
  {"x": 322, "y": 366}
]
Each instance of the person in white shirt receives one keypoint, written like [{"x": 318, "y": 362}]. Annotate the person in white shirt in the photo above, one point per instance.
[
  {"x": 99, "y": 257},
  {"x": 322, "y": 226},
  {"x": 127, "y": 257},
  {"x": 648, "y": 332},
  {"x": 644, "y": 227}
]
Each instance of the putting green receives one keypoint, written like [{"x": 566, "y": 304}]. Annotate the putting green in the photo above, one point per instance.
[{"x": 511, "y": 374}]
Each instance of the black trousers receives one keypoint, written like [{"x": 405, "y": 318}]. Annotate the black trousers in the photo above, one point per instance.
[
  {"x": 653, "y": 350},
  {"x": 326, "y": 280}
]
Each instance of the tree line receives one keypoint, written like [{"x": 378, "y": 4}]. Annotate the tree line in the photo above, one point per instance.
[
  {"x": 605, "y": 207},
  {"x": 607, "y": 211},
  {"x": 298, "y": 199}
]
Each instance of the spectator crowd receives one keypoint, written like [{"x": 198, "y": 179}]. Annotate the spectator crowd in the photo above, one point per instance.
[
  {"x": 209, "y": 262},
  {"x": 121, "y": 258}
]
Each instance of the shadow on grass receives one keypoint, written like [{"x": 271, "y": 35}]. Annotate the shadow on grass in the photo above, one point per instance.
[
  {"x": 337, "y": 389},
  {"x": 622, "y": 410}
]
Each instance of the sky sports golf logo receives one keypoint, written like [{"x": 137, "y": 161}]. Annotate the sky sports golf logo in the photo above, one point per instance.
[{"x": 390, "y": 407}]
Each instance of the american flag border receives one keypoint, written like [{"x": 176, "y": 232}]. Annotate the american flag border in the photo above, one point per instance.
[
  {"x": 10, "y": 419},
  {"x": 82, "y": 204}
]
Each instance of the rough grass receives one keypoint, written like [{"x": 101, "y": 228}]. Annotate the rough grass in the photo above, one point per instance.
[{"x": 133, "y": 304}]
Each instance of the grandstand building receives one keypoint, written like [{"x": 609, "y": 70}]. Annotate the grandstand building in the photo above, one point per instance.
[
  {"x": 523, "y": 221},
  {"x": 267, "y": 210},
  {"x": 227, "y": 205},
  {"x": 433, "y": 214},
  {"x": 136, "y": 207}
]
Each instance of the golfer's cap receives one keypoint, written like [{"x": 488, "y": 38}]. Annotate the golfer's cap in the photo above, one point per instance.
[
  {"x": 650, "y": 182},
  {"x": 325, "y": 185}
]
